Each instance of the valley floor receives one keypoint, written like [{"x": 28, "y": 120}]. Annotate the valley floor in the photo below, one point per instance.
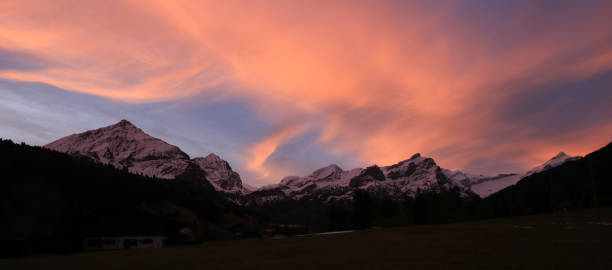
[{"x": 571, "y": 240}]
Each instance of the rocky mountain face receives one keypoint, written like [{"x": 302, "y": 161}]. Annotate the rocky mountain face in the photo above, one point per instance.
[
  {"x": 125, "y": 146},
  {"x": 220, "y": 174},
  {"x": 405, "y": 178}
]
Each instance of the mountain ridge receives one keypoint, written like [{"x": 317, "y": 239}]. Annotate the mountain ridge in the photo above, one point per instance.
[
  {"x": 126, "y": 146},
  {"x": 406, "y": 177}
]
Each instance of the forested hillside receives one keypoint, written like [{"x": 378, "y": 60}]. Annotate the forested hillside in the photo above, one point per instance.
[{"x": 46, "y": 197}]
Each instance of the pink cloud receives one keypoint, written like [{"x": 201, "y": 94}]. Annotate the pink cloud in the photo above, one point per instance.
[{"x": 389, "y": 83}]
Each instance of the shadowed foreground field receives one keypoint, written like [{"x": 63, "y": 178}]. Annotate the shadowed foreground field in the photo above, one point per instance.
[{"x": 572, "y": 240}]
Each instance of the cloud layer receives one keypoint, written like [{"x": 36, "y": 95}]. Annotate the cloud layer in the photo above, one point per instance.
[{"x": 483, "y": 86}]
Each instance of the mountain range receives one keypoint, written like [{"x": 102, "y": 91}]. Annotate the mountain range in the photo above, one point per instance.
[
  {"x": 127, "y": 147},
  {"x": 50, "y": 201},
  {"x": 404, "y": 178}
]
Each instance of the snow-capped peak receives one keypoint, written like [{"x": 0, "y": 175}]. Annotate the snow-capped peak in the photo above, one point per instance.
[
  {"x": 415, "y": 157},
  {"x": 124, "y": 145},
  {"x": 326, "y": 172},
  {"x": 555, "y": 161},
  {"x": 213, "y": 158},
  {"x": 125, "y": 123},
  {"x": 487, "y": 185},
  {"x": 560, "y": 155},
  {"x": 220, "y": 174}
]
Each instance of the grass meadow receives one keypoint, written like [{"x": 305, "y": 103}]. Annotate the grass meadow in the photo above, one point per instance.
[{"x": 569, "y": 240}]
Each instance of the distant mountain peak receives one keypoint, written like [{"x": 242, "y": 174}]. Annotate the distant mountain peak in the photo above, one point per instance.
[
  {"x": 122, "y": 129},
  {"x": 213, "y": 158},
  {"x": 560, "y": 155},
  {"x": 220, "y": 174},
  {"x": 124, "y": 145},
  {"x": 555, "y": 161},
  {"x": 414, "y": 160},
  {"x": 487, "y": 185},
  {"x": 124, "y": 125},
  {"x": 334, "y": 166},
  {"x": 326, "y": 171},
  {"x": 124, "y": 122}
]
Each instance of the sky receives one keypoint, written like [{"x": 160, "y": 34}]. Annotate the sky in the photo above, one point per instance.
[{"x": 282, "y": 88}]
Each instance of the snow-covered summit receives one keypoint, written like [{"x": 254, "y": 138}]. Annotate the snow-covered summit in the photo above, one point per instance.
[
  {"x": 123, "y": 145},
  {"x": 220, "y": 174},
  {"x": 331, "y": 171},
  {"x": 487, "y": 185},
  {"x": 126, "y": 146},
  {"x": 553, "y": 162}
]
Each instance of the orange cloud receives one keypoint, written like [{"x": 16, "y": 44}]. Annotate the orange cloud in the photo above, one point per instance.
[
  {"x": 264, "y": 148},
  {"x": 389, "y": 81}
]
